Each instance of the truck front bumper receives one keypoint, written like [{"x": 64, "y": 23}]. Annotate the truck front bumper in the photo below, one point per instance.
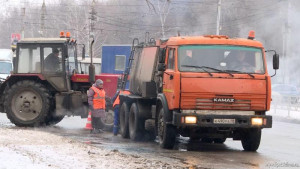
[{"x": 232, "y": 121}]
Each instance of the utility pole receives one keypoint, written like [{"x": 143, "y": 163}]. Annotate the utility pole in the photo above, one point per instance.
[
  {"x": 23, "y": 23},
  {"x": 43, "y": 13},
  {"x": 92, "y": 27},
  {"x": 218, "y": 18}
]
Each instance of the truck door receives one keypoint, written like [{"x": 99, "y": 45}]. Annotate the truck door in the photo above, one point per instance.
[
  {"x": 53, "y": 67},
  {"x": 170, "y": 79}
]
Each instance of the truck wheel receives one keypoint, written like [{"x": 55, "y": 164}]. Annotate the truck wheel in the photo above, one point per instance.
[
  {"x": 219, "y": 140},
  {"x": 27, "y": 104},
  {"x": 166, "y": 132},
  {"x": 207, "y": 140},
  {"x": 194, "y": 138},
  {"x": 108, "y": 121},
  {"x": 136, "y": 124},
  {"x": 150, "y": 134},
  {"x": 124, "y": 114},
  {"x": 251, "y": 139}
]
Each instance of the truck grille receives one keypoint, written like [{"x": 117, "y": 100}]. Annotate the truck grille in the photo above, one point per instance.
[
  {"x": 206, "y": 102},
  {"x": 209, "y": 104}
]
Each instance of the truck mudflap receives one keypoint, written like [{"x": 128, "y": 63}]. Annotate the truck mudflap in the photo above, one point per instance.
[{"x": 233, "y": 121}]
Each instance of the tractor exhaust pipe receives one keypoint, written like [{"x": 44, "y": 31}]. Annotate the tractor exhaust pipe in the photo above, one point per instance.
[{"x": 91, "y": 67}]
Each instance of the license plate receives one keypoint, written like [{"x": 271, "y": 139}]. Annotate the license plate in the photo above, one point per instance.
[{"x": 224, "y": 121}]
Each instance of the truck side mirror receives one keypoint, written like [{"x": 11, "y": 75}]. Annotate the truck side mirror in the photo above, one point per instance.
[
  {"x": 161, "y": 67},
  {"x": 275, "y": 61},
  {"x": 83, "y": 52},
  {"x": 162, "y": 54}
]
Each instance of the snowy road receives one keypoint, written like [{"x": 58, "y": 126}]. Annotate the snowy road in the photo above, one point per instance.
[{"x": 70, "y": 143}]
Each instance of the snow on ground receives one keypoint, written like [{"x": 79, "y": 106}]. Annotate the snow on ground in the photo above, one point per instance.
[
  {"x": 27, "y": 148},
  {"x": 23, "y": 148}
]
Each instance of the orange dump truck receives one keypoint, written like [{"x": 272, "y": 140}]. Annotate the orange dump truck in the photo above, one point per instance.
[{"x": 207, "y": 88}]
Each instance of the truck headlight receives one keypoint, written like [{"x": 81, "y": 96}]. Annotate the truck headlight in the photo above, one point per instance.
[
  {"x": 190, "y": 119},
  {"x": 257, "y": 121}
]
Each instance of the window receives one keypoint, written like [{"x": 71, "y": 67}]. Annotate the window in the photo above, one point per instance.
[
  {"x": 52, "y": 59},
  {"x": 216, "y": 58},
  {"x": 120, "y": 62},
  {"x": 171, "y": 60},
  {"x": 29, "y": 60},
  {"x": 71, "y": 63},
  {"x": 5, "y": 67}
]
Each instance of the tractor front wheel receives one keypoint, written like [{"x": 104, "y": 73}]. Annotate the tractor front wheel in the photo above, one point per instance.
[{"x": 27, "y": 103}]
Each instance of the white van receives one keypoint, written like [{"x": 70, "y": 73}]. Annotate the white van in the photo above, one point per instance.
[{"x": 6, "y": 63}]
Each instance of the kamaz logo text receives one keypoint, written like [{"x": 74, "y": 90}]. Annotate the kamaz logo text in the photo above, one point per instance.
[{"x": 224, "y": 100}]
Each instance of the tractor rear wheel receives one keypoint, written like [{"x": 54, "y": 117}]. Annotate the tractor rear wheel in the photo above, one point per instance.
[
  {"x": 53, "y": 119},
  {"x": 27, "y": 103},
  {"x": 108, "y": 121}
]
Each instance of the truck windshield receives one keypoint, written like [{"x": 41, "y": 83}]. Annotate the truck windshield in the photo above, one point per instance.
[
  {"x": 217, "y": 58},
  {"x": 5, "y": 68}
]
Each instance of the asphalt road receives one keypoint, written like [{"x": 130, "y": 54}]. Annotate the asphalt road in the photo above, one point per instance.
[{"x": 280, "y": 147}]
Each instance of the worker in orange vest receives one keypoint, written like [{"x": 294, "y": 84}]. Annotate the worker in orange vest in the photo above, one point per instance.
[
  {"x": 116, "y": 107},
  {"x": 96, "y": 100}
]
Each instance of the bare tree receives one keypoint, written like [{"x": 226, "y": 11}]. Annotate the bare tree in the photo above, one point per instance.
[{"x": 162, "y": 9}]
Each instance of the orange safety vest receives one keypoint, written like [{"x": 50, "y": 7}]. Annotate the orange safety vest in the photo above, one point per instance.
[
  {"x": 117, "y": 101},
  {"x": 99, "y": 98}
]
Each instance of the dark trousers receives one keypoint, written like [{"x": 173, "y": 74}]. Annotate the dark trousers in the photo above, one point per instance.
[
  {"x": 97, "y": 123},
  {"x": 116, "y": 119}
]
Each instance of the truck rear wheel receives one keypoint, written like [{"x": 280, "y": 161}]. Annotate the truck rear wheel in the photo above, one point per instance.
[
  {"x": 136, "y": 123},
  {"x": 150, "y": 134},
  {"x": 27, "y": 104},
  {"x": 166, "y": 132},
  {"x": 207, "y": 140},
  {"x": 251, "y": 139},
  {"x": 124, "y": 114},
  {"x": 219, "y": 140}
]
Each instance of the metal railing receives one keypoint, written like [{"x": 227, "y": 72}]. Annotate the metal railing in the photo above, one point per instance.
[{"x": 286, "y": 102}]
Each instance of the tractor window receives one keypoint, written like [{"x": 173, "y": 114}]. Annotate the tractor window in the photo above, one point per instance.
[
  {"x": 52, "y": 59},
  {"x": 120, "y": 62},
  {"x": 29, "y": 60},
  {"x": 71, "y": 64}
]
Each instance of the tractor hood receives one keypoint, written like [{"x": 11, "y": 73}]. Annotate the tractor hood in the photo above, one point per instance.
[{"x": 241, "y": 92}]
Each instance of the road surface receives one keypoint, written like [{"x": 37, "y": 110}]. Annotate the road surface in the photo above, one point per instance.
[{"x": 280, "y": 148}]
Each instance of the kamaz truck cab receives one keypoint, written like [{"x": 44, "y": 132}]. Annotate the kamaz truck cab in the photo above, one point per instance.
[{"x": 208, "y": 88}]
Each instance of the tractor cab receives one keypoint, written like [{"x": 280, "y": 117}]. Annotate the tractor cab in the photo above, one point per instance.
[{"x": 47, "y": 58}]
